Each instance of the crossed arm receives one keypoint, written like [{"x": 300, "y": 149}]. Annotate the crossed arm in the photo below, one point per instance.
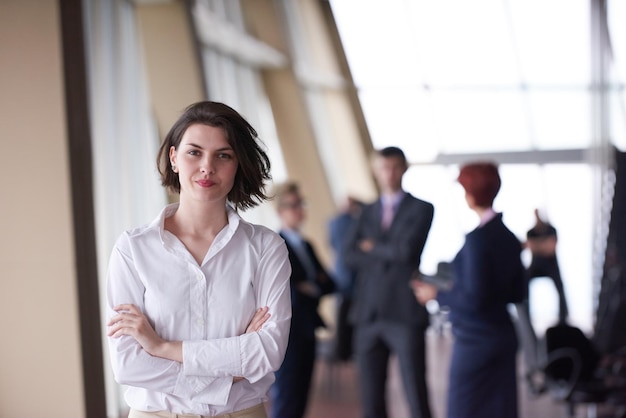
[{"x": 132, "y": 322}]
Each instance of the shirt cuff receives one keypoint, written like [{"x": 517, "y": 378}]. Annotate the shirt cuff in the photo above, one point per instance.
[
  {"x": 213, "y": 391},
  {"x": 220, "y": 358}
]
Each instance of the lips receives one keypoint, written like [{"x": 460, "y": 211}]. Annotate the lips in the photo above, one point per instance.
[{"x": 205, "y": 183}]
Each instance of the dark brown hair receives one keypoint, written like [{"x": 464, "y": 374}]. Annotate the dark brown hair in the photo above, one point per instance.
[
  {"x": 482, "y": 181},
  {"x": 254, "y": 165},
  {"x": 391, "y": 152}
]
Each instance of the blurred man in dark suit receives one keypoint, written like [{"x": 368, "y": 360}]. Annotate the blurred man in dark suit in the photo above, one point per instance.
[{"x": 385, "y": 248}]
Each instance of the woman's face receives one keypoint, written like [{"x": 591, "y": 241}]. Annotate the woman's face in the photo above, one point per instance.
[{"x": 205, "y": 162}]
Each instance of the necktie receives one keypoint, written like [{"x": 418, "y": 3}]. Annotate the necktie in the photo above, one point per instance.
[{"x": 387, "y": 214}]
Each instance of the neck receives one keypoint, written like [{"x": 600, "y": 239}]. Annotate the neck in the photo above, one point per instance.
[
  {"x": 483, "y": 212},
  {"x": 480, "y": 211},
  {"x": 390, "y": 192},
  {"x": 201, "y": 217},
  {"x": 295, "y": 228}
]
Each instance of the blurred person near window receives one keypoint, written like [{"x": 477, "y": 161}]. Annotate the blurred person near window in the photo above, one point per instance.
[
  {"x": 541, "y": 240},
  {"x": 309, "y": 282},
  {"x": 488, "y": 274},
  {"x": 385, "y": 248},
  {"x": 345, "y": 277}
]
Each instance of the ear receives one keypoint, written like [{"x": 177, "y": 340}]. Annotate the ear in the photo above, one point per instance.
[{"x": 173, "y": 155}]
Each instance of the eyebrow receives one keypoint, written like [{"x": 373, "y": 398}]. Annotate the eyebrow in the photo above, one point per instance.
[{"x": 191, "y": 144}]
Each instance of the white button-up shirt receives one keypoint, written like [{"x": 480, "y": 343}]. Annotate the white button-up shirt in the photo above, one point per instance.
[{"x": 208, "y": 307}]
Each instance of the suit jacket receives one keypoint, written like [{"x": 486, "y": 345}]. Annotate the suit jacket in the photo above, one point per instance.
[
  {"x": 305, "y": 317},
  {"x": 383, "y": 274},
  {"x": 488, "y": 274}
]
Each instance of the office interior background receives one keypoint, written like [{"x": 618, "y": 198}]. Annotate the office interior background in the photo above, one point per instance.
[{"x": 90, "y": 87}]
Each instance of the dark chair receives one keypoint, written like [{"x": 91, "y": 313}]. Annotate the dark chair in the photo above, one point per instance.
[
  {"x": 571, "y": 369},
  {"x": 563, "y": 364}
]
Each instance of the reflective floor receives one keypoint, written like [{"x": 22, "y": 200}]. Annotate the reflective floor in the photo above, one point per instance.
[{"x": 335, "y": 389}]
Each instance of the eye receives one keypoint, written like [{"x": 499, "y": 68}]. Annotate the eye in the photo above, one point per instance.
[
  {"x": 224, "y": 156},
  {"x": 193, "y": 152}
]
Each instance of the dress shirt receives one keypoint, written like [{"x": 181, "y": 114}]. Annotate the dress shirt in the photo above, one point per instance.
[
  {"x": 389, "y": 206},
  {"x": 208, "y": 307}
]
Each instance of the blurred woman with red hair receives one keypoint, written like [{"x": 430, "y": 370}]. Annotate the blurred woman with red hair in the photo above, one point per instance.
[{"x": 487, "y": 275}]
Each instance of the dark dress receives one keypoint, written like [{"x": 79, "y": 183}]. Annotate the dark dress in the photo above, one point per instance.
[{"x": 488, "y": 275}]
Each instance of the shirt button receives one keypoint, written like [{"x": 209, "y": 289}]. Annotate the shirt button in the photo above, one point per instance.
[
  {"x": 200, "y": 321},
  {"x": 199, "y": 277}
]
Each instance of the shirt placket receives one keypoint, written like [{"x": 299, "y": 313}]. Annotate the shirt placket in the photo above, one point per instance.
[{"x": 197, "y": 302}]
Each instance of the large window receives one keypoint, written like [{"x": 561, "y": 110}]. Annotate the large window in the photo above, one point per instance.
[
  {"x": 231, "y": 70},
  {"x": 510, "y": 80}
]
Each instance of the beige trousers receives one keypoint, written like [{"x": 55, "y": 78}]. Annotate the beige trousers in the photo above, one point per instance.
[{"x": 257, "y": 411}]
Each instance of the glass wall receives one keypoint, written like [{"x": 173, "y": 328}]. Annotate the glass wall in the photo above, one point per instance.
[{"x": 508, "y": 80}]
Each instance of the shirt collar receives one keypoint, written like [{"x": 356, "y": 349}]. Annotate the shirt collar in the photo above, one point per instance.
[
  {"x": 292, "y": 236},
  {"x": 488, "y": 215},
  {"x": 394, "y": 198},
  {"x": 169, "y": 210}
]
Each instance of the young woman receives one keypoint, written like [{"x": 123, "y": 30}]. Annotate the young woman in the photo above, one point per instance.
[{"x": 190, "y": 295}]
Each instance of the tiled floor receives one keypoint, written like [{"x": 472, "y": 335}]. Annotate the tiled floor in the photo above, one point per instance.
[{"x": 335, "y": 390}]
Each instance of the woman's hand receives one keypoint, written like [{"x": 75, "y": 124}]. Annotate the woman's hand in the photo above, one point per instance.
[
  {"x": 260, "y": 317},
  {"x": 131, "y": 321},
  {"x": 256, "y": 323},
  {"x": 423, "y": 291}
]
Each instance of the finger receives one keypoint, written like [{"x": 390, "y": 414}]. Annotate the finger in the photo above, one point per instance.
[
  {"x": 116, "y": 319},
  {"x": 257, "y": 319},
  {"x": 118, "y": 333},
  {"x": 121, "y": 317},
  {"x": 259, "y": 313},
  {"x": 114, "y": 331},
  {"x": 127, "y": 307},
  {"x": 262, "y": 321}
]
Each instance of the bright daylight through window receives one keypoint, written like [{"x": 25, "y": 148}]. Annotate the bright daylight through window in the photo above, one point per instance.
[{"x": 510, "y": 80}]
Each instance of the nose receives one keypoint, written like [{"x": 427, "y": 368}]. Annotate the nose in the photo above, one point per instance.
[{"x": 207, "y": 165}]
